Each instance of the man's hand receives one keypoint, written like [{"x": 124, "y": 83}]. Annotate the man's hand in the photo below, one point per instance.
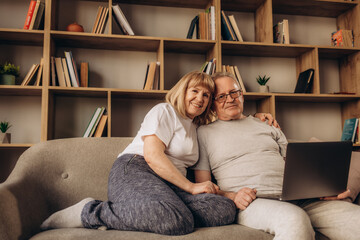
[
  {"x": 244, "y": 197},
  {"x": 341, "y": 196},
  {"x": 204, "y": 187},
  {"x": 267, "y": 116}
]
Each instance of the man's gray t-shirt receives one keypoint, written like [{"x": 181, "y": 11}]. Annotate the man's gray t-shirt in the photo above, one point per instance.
[{"x": 243, "y": 153}]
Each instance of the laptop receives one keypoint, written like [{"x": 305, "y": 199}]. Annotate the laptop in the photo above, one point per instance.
[{"x": 316, "y": 169}]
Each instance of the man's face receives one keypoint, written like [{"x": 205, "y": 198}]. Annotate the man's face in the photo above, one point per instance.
[{"x": 231, "y": 108}]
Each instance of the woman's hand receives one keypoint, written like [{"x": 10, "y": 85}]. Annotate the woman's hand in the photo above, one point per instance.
[
  {"x": 267, "y": 116},
  {"x": 341, "y": 196},
  {"x": 204, "y": 187}
]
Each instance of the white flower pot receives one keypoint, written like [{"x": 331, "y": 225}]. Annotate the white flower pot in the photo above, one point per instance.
[
  {"x": 5, "y": 137},
  {"x": 264, "y": 88}
]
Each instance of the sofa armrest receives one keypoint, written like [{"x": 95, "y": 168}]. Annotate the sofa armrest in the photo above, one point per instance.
[{"x": 22, "y": 209}]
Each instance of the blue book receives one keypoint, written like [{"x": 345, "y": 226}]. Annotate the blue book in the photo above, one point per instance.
[{"x": 349, "y": 130}]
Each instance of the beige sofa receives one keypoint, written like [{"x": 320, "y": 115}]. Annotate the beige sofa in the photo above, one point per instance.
[{"x": 55, "y": 174}]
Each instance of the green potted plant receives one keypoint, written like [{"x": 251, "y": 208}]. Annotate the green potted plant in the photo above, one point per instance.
[
  {"x": 262, "y": 82},
  {"x": 8, "y": 73},
  {"x": 4, "y": 136}
]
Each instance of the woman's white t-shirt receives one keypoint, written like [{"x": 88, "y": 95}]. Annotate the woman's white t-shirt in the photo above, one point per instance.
[{"x": 177, "y": 133}]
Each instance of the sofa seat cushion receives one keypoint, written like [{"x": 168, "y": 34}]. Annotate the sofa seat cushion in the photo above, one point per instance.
[{"x": 230, "y": 232}]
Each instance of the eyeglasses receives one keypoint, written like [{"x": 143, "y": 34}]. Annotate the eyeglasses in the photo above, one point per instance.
[{"x": 222, "y": 97}]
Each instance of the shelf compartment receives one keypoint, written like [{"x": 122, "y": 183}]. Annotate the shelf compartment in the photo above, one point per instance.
[
  {"x": 188, "y": 46},
  {"x": 139, "y": 94},
  {"x": 169, "y": 3},
  {"x": 104, "y": 41},
  {"x": 21, "y": 37},
  {"x": 318, "y": 8},
  {"x": 255, "y": 49},
  {"x": 241, "y": 5},
  {"x": 336, "y": 52},
  {"x": 316, "y": 98},
  {"x": 79, "y": 91},
  {"x": 7, "y": 90}
]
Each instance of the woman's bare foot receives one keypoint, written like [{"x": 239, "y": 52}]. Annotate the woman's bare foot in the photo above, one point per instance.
[{"x": 67, "y": 218}]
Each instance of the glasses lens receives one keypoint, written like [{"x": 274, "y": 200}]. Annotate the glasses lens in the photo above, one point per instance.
[{"x": 235, "y": 94}]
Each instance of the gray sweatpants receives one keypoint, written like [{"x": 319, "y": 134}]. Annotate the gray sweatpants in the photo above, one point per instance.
[{"x": 140, "y": 200}]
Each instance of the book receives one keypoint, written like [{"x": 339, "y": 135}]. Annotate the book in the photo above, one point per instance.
[
  {"x": 72, "y": 70},
  {"x": 66, "y": 72},
  {"x": 30, "y": 75},
  {"x": 60, "y": 72},
  {"x": 194, "y": 24},
  {"x": 101, "y": 126},
  {"x": 90, "y": 129},
  {"x": 350, "y": 129},
  {"x": 84, "y": 74},
  {"x": 202, "y": 25},
  {"x": 103, "y": 21},
  {"x": 235, "y": 28},
  {"x": 39, "y": 18},
  {"x": 239, "y": 78},
  {"x": 150, "y": 76},
  {"x": 40, "y": 72},
  {"x": 29, "y": 14},
  {"x": 122, "y": 21},
  {"x": 342, "y": 38},
  {"x": 97, "y": 19},
  {"x": 53, "y": 71},
  {"x": 31, "y": 26},
  {"x": 156, "y": 85},
  {"x": 212, "y": 27},
  {"x": 225, "y": 28},
  {"x": 281, "y": 32},
  {"x": 305, "y": 81}
]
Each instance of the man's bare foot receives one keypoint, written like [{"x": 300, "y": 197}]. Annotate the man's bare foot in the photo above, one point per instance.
[{"x": 67, "y": 218}]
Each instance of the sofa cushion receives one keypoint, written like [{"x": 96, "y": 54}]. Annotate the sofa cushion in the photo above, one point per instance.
[{"x": 230, "y": 232}]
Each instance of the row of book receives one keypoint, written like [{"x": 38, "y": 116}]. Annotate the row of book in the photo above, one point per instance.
[
  {"x": 97, "y": 123},
  {"x": 35, "y": 16},
  {"x": 281, "y": 32},
  {"x": 34, "y": 75},
  {"x": 209, "y": 67},
  {"x": 342, "y": 38},
  {"x": 351, "y": 131},
  {"x": 119, "y": 16},
  {"x": 235, "y": 71},
  {"x": 229, "y": 28},
  {"x": 64, "y": 72},
  {"x": 203, "y": 25},
  {"x": 152, "y": 77}
]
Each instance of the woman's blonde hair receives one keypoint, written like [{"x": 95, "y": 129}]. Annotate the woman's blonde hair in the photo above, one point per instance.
[{"x": 176, "y": 95}]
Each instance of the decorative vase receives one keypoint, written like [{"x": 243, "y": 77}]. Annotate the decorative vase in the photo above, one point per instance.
[
  {"x": 7, "y": 79},
  {"x": 264, "y": 88},
  {"x": 5, "y": 137}
]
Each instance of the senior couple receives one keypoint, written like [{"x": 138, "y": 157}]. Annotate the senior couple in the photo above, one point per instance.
[{"x": 148, "y": 189}]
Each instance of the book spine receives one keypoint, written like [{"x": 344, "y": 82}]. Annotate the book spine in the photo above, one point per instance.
[{"x": 29, "y": 14}]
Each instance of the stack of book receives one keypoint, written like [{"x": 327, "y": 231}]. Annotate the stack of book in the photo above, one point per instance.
[
  {"x": 229, "y": 28},
  {"x": 203, "y": 24},
  {"x": 122, "y": 21},
  {"x": 97, "y": 123},
  {"x": 281, "y": 32},
  {"x": 34, "y": 75},
  {"x": 209, "y": 67},
  {"x": 35, "y": 15},
  {"x": 100, "y": 21},
  {"x": 152, "y": 77},
  {"x": 342, "y": 38},
  {"x": 235, "y": 71},
  {"x": 64, "y": 72}
]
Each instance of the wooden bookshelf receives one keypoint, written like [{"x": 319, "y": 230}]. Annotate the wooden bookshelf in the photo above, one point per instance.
[{"x": 117, "y": 62}]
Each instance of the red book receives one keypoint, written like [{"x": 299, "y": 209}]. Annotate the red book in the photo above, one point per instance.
[{"x": 29, "y": 14}]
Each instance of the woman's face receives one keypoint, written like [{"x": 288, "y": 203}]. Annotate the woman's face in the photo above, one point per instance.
[{"x": 196, "y": 100}]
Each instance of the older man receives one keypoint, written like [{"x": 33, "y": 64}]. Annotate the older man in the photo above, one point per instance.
[{"x": 245, "y": 156}]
